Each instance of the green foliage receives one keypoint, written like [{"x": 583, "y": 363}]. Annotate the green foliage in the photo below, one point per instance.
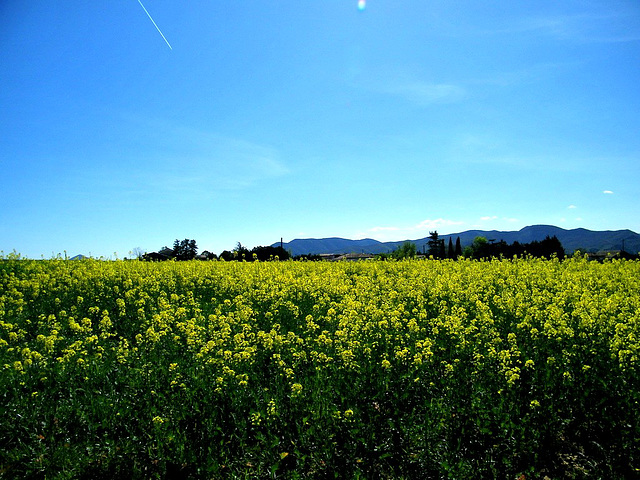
[
  {"x": 548, "y": 248},
  {"x": 479, "y": 243},
  {"x": 458, "y": 250},
  {"x": 406, "y": 250},
  {"x": 185, "y": 249},
  {"x": 436, "y": 245}
]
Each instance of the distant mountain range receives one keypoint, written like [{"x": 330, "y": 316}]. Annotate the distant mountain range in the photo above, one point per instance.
[{"x": 588, "y": 240}]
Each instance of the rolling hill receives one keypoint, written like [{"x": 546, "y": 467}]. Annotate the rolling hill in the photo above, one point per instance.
[{"x": 589, "y": 240}]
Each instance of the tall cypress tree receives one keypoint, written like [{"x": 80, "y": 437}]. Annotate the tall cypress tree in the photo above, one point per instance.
[
  {"x": 450, "y": 252},
  {"x": 458, "y": 248}
]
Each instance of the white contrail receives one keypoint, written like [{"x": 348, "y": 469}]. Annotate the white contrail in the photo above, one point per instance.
[{"x": 154, "y": 24}]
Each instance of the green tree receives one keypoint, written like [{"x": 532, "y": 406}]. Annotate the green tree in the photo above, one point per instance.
[
  {"x": 263, "y": 253},
  {"x": 434, "y": 244},
  {"x": 242, "y": 253},
  {"x": 226, "y": 255},
  {"x": 458, "y": 252},
  {"x": 406, "y": 250},
  {"x": 450, "y": 251},
  {"x": 185, "y": 249},
  {"x": 478, "y": 248}
]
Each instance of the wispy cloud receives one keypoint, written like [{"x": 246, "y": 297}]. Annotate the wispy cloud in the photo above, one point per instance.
[
  {"x": 564, "y": 219},
  {"x": 424, "y": 94},
  {"x": 410, "y": 88},
  {"x": 475, "y": 147},
  {"x": 583, "y": 27},
  {"x": 526, "y": 75},
  {"x": 437, "y": 223},
  {"x": 421, "y": 229},
  {"x": 197, "y": 162},
  {"x": 384, "y": 229},
  {"x": 571, "y": 207},
  {"x": 551, "y": 25},
  {"x": 185, "y": 166},
  {"x": 607, "y": 192},
  {"x": 230, "y": 165},
  {"x": 491, "y": 218}
]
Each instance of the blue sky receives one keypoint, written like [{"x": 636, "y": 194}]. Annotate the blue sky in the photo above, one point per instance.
[{"x": 296, "y": 119}]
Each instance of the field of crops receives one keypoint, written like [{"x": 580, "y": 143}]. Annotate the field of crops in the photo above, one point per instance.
[{"x": 410, "y": 369}]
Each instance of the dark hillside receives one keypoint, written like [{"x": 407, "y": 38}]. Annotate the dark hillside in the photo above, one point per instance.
[{"x": 588, "y": 240}]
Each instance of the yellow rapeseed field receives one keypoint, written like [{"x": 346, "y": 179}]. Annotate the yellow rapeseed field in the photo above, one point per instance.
[{"x": 409, "y": 369}]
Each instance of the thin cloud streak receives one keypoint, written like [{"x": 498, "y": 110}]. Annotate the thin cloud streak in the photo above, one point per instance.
[
  {"x": 424, "y": 94},
  {"x": 418, "y": 92},
  {"x": 581, "y": 28},
  {"x": 384, "y": 229},
  {"x": 155, "y": 25},
  {"x": 526, "y": 75},
  {"x": 491, "y": 218}
]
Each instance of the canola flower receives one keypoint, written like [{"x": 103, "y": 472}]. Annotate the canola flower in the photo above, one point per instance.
[{"x": 460, "y": 368}]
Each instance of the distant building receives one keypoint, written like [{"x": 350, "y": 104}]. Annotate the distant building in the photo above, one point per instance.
[
  {"x": 329, "y": 256},
  {"x": 155, "y": 257},
  {"x": 610, "y": 255},
  {"x": 352, "y": 257}
]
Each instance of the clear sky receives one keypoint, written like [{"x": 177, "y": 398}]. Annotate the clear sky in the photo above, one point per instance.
[{"x": 248, "y": 121}]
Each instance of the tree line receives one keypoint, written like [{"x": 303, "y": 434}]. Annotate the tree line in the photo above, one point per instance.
[
  {"x": 483, "y": 248},
  {"x": 479, "y": 249},
  {"x": 547, "y": 248},
  {"x": 187, "y": 249}
]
